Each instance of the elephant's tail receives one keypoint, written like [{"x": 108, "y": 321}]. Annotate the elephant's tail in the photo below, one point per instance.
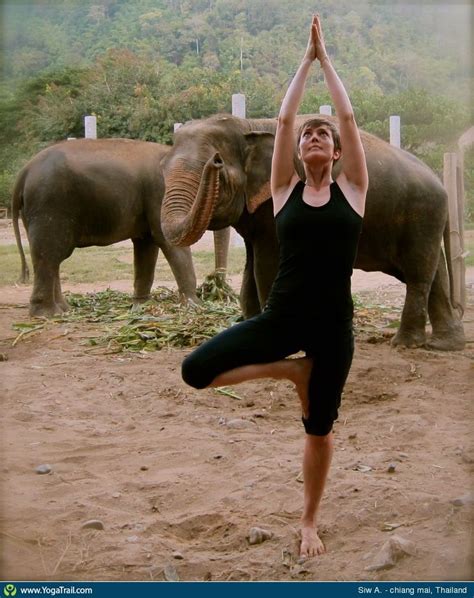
[
  {"x": 17, "y": 204},
  {"x": 447, "y": 249}
]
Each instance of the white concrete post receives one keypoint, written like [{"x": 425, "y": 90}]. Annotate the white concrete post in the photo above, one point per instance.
[
  {"x": 455, "y": 236},
  {"x": 176, "y": 126},
  {"x": 238, "y": 109},
  {"x": 325, "y": 109},
  {"x": 395, "y": 131},
  {"x": 238, "y": 105},
  {"x": 90, "y": 127}
]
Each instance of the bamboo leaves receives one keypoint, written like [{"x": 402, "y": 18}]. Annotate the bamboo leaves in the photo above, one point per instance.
[
  {"x": 174, "y": 326},
  {"x": 164, "y": 321}
]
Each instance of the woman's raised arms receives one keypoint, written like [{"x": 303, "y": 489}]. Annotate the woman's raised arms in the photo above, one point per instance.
[
  {"x": 283, "y": 175},
  {"x": 353, "y": 179}
]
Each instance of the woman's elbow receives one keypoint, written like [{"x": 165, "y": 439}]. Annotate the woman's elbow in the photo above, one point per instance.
[
  {"x": 347, "y": 118},
  {"x": 285, "y": 120}
]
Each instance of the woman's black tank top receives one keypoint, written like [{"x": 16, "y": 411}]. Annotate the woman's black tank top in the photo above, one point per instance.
[{"x": 318, "y": 246}]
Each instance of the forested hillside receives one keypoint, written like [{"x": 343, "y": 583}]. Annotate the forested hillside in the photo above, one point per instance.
[{"x": 141, "y": 65}]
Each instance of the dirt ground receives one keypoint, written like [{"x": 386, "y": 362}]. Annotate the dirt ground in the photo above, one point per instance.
[{"x": 178, "y": 477}]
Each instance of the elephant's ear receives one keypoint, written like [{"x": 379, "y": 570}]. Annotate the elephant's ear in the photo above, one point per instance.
[{"x": 258, "y": 164}]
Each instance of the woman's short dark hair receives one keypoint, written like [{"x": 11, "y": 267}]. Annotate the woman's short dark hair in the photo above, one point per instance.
[{"x": 317, "y": 122}]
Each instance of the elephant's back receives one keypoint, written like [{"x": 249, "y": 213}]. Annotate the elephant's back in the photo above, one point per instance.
[
  {"x": 91, "y": 151},
  {"x": 103, "y": 162},
  {"x": 94, "y": 181}
]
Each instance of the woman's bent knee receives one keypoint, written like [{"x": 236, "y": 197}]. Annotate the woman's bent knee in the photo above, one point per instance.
[{"x": 193, "y": 373}]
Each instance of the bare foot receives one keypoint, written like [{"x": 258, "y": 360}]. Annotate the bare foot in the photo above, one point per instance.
[
  {"x": 303, "y": 367},
  {"x": 311, "y": 544}
]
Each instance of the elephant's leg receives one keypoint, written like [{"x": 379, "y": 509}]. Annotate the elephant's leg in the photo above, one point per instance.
[
  {"x": 59, "y": 299},
  {"x": 265, "y": 251},
  {"x": 248, "y": 292},
  {"x": 145, "y": 254},
  {"x": 181, "y": 263},
  {"x": 48, "y": 250},
  {"x": 412, "y": 327},
  {"x": 448, "y": 331},
  {"x": 221, "y": 250},
  {"x": 46, "y": 272}
]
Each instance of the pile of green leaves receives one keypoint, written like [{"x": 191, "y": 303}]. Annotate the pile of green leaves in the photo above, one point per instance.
[
  {"x": 164, "y": 321},
  {"x": 215, "y": 288},
  {"x": 153, "y": 328}
]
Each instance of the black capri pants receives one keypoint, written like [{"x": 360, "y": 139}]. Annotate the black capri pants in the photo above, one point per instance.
[{"x": 272, "y": 336}]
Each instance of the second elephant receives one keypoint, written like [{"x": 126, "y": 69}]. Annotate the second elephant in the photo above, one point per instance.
[{"x": 217, "y": 174}]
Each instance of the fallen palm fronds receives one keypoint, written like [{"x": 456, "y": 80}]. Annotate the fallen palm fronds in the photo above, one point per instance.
[
  {"x": 157, "y": 326},
  {"x": 164, "y": 321},
  {"x": 103, "y": 306}
]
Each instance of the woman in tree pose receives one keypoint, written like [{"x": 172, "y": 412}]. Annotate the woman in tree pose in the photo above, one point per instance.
[{"x": 310, "y": 306}]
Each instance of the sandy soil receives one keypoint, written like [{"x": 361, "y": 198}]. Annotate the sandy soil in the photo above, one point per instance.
[{"x": 178, "y": 477}]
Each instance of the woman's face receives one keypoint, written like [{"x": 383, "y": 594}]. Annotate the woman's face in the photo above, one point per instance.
[{"x": 317, "y": 145}]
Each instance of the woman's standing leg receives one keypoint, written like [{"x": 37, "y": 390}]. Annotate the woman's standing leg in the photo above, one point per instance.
[
  {"x": 332, "y": 353},
  {"x": 317, "y": 459}
]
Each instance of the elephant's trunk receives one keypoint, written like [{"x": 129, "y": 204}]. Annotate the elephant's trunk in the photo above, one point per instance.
[{"x": 190, "y": 198}]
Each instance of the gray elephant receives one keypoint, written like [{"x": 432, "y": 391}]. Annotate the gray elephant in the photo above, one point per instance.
[
  {"x": 96, "y": 192},
  {"x": 217, "y": 174}
]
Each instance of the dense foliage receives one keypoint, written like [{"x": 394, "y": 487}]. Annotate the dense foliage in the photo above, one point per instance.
[{"x": 141, "y": 65}]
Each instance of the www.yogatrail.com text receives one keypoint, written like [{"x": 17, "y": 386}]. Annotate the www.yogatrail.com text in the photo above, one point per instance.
[{"x": 52, "y": 591}]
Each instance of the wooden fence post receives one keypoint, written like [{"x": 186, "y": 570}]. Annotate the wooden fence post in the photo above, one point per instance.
[{"x": 456, "y": 212}]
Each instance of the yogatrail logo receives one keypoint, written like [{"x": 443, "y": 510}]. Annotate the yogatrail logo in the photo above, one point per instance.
[{"x": 9, "y": 590}]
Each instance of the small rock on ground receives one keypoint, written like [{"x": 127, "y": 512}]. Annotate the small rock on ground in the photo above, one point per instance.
[
  {"x": 257, "y": 535},
  {"x": 93, "y": 524},
  {"x": 392, "y": 551},
  {"x": 44, "y": 468},
  {"x": 170, "y": 573},
  {"x": 462, "y": 501}
]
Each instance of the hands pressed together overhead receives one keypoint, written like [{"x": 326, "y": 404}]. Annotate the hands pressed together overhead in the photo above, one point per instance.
[{"x": 316, "y": 50}]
